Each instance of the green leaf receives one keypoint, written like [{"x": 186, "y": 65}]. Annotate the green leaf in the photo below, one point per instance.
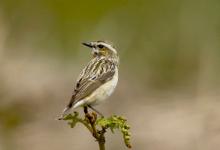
[
  {"x": 72, "y": 119},
  {"x": 117, "y": 122}
]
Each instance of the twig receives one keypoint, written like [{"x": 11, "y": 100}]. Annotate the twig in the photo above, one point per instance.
[
  {"x": 98, "y": 135},
  {"x": 98, "y": 127}
]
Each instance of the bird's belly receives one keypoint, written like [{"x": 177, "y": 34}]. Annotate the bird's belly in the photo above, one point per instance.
[{"x": 104, "y": 91}]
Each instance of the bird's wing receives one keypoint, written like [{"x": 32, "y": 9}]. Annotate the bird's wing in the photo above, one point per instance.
[{"x": 93, "y": 76}]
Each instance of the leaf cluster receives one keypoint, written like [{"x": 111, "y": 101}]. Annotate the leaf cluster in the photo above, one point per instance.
[
  {"x": 114, "y": 122},
  {"x": 117, "y": 122}
]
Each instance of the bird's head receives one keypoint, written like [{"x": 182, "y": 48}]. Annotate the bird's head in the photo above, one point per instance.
[{"x": 101, "y": 48}]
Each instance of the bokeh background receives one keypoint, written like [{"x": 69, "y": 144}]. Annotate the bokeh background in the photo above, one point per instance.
[{"x": 169, "y": 87}]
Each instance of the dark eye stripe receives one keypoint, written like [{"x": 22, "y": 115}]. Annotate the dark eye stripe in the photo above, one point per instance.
[{"x": 100, "y": 46}]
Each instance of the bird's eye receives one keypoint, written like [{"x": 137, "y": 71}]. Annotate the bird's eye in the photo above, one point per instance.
[{"x": 100, "y": 46}]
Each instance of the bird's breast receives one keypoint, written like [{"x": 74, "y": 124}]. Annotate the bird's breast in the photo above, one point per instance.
[{"x": 105, "y": 90}]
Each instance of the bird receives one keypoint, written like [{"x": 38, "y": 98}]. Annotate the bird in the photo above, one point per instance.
[{"x": 98, "y": 80}]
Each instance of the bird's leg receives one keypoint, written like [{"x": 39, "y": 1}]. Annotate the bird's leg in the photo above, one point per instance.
[
  {"x": 95, "y": 110},
  {"x": 85, "y": 109},
  {"x": 87, "y": 114}
]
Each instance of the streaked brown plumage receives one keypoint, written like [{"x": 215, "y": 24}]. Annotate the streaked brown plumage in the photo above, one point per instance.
[{"x": 98, "y": 79}]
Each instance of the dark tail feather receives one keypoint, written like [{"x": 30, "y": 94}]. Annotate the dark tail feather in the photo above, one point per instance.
[{"x": 67, "y": 109}]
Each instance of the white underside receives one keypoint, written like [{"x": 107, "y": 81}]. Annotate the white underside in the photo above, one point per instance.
[{"x": 100, "y": 94}]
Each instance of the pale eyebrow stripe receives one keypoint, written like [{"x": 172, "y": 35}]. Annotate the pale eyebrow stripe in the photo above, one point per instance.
[{"x": 109, "y": 47}]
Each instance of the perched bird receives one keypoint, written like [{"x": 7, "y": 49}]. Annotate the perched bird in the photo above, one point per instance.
[{"x": 98, "y": 79}]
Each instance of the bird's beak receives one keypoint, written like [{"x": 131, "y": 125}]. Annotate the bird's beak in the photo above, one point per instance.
[{"x": 88, "y": 44}]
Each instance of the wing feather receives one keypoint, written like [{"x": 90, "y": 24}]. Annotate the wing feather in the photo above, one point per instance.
[{"x": 97, "y": 72}]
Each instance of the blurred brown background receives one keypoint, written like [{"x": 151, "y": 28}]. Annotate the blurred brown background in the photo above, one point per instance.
[{"x": 169, "y": 73}]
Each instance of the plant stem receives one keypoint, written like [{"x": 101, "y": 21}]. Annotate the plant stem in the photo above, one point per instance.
[
  {"x": 101, "y": 146},
  {"x": 86, "y": 125},
  {"x": 98, "y": 135},
  {"x": 102, "y": 139}
]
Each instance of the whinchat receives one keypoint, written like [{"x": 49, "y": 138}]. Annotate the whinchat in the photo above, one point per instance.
[{"x": 98, "y": 79}]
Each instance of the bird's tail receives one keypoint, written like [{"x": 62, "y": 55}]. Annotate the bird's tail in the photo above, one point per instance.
[
  {"x": 64, "y": 113},
  {"x": 67, "y": 109}
]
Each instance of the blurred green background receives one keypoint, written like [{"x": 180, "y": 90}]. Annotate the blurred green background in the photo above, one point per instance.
[{"x": 169, "y": 71}]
